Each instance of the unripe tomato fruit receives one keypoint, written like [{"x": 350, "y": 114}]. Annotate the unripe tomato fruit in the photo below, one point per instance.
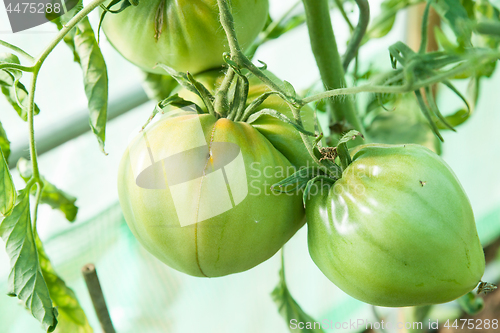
[
  {"x": 230, "y": 242},
  {"x": 284, "y": 137},
  {"x": 183, "y": 34},
  {"x": 397, "y": 229}
]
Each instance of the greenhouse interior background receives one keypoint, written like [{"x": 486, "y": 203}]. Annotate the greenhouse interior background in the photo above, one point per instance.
[{"x": 142, "y": 293}]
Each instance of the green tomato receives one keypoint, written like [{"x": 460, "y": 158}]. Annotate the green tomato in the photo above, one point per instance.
[
  {"x": 207, "y": 212},
  {"x": 397, "y": 229},
  {"x": 283, "y": 137},
  {"x": 184, "y": 34}
]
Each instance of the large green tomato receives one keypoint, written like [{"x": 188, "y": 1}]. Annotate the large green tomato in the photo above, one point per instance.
[
  {"x": 397, "y": 229},
  {"x": 195, "y": 191},
  {"x": 284, "y": 137},
  {"x": 183, "y": 34}
]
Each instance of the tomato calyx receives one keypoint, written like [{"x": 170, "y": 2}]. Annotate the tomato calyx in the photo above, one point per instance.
[
  {"x": 229, "y": 101},
  {"x": 327, "y": 174}
]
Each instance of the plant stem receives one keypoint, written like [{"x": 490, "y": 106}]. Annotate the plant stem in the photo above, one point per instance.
[
  {"x": 16, "y": 66},
  {"x": 67, "y": 28},
  {"x": 17, "y": 49},
  {"x": 324, "y": 47},
  {"x": 36, "y": 69},
  {"x": 221, "y": 103},
  {"x": 31, "y": 124},
  {"x": 237, "y": 55},
  {"x": 359, "y": 33}
]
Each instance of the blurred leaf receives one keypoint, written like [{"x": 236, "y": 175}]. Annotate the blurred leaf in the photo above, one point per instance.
[
  {"x": 405, "y": 124},
  {"x": 290, "y": 310},
  {"x": 4, "y": 143},
  {"x": 71, "y": 316},
  {"x": 7, "y": 189},
  {"x": 454, "y": 14},
  {"x": 51, "y": 195},
  {"x": 458, "y": 118},
  {"x": 25, "y": 279},
  {"x": 292, "y": 19},
  {"x": 462, "y": 115},
  {"x": 157, "y": 86},
  {"x": 13, "y": 90},
  {"x": 289, "y": 89},
  {"x": 470, "y": 303},
  {"x": 383, "y": 23}
]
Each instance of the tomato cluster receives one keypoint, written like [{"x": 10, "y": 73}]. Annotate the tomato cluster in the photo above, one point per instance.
[{"x": 396, "y": 229}]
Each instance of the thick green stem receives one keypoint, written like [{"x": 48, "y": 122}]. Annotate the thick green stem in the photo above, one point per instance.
[
  {"x": 324, "y": 47},
  {"x": 221, "y": 103},
  {"x": 237, "y": 54},
  {"x": 359, "y": 33}
]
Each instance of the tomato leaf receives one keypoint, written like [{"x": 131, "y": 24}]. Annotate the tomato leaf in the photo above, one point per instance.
[
  {"x": 289, "y": 309},
  {"x": 87, "y": 53},
  {"x": 275, "y": 28},
  {"x": 7, "y": 189},
  {"x": 71, "y": 316},
  {"x": 51, "y": 195},
  {"x": 157, "y": 86},
  {"x": 181, "y": 78},
  {"x": 383, "y": 23},
  {"x": 13, "y": 90},
  {"x": 470, "y": 303},
  {"x": 95, "y": 78},
  {"x": 453, "y": 13},
  {"x": 4, "y": 143},
  {"x": 289, "y": 89},
  {"x": 25, "y": 279}
]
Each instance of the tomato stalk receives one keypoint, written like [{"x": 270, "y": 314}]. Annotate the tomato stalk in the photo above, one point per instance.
[
  {"x": 324, "y": 47},
  {"x": 221, "y": 103},
  {"x": 238, "y": 57}
]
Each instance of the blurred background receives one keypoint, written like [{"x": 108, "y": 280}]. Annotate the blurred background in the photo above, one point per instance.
[{"x": 144, "y": 295}]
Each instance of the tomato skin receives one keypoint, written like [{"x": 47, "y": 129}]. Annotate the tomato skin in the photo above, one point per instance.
[
  {"x": 191, "y": 38},
  {"x": 232, "y": 242},
  {"x": 284, "y": 137},
  {"x": 402, "y": 231}
]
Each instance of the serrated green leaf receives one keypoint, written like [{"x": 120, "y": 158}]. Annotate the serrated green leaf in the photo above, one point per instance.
[
  {"x": 7, "y": 189},
  {"x": 290, "y": 310},
  {"x": 25, "y": 279},
  {"x": 51, "y": 195},
  {"x": 4, "y": 143},
  {"x": 470, "y": 303},
  {"x": 456, "y": 16},
  {"x": 13, "y": 90},
  {"x": 71, "y": 318}
]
